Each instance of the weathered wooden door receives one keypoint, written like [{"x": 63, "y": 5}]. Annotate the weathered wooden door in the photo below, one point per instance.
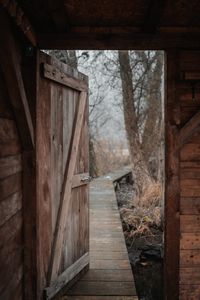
[{"x": 62, "y": 173}]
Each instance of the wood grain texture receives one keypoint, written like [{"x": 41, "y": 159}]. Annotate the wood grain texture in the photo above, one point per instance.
[
  {"x": 10, "y": 65},
  {"x": 189, "y": 291},
  {"x": 172, "y": 181},
  {"x": 67, "y": 186},
  {"x": 110, "y": 273},
  {"x": 190, "y": 179},
  {"x": 79, "y": 180},
  {"x": 53, "y": 73},
  {"x": 10, "y": 185},
  {"x": 64, "y": 278},
  {"x": 190, "y": 241},
  {"x": 11, "y": 218},
  {"x": 29, "y": 226},
  {"x": 61, "y": 151},
  {"x": 43, "y": 177},
  {"x": 102, "y": 288},
  {"x": 189, "y": 276},
  {"x": 10, "y": 165},
  {"x": 10, "y": 206},
  {"x": 189, "y": 258},
  {"x": 190, "y": 223},
  {"x": 190, "y": 128},
  {"x": 190, "y": 206}
]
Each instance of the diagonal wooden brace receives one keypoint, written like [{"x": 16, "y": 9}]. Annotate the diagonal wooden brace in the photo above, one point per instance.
[
  {"x": 189, "y": 129},
  {"x": 10, "y": 66}
]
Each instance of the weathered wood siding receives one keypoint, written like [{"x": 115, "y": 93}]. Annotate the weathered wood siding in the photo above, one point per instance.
[
  {"x": 11, "y": 236},
  {"x": 190, "y": 183},
  {"x": 182, "y": 176}
]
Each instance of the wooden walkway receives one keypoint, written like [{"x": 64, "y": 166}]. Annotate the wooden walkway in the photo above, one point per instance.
[{"x": 110, "y": 276}]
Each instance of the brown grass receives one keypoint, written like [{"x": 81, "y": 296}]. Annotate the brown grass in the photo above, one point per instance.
[
  {"x": 144, "y": 214},
  {"x": 109, "y": 156}
]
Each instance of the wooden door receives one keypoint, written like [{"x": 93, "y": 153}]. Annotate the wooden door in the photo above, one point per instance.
[{"x": 62, "y": 173}]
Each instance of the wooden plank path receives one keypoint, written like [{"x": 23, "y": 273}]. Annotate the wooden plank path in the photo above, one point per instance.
[{"x": 110, "y": 275}]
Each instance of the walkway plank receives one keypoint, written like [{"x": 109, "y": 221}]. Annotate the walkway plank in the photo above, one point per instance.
[{"x": 110, "y": 275}]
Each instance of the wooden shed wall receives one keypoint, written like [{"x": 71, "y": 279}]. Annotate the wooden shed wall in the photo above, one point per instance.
[
  {"x": 190, "y": 182},
  {"x": 183, "y": 175},
  {"x": 11, "y": 237}
]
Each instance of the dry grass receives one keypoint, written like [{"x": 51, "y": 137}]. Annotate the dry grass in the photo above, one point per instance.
[
  {"x": 109, "y": 156},
  {"x": 143, "y": 215}
]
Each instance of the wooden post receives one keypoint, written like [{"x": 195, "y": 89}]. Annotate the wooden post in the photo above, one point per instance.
[{"x": 172, "y": 181}]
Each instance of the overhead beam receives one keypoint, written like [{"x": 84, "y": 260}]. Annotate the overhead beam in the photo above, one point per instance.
[
  {"x": 153, "y": 16},
  {"x": 190, "y": 128},
  {"x": 10, "y": 66},
  {"x": 17, "y": 14},
  {"x": 104, "y": 39},
  {"x": 59, "y": 15},
  {"x": 172, "y": 181}
]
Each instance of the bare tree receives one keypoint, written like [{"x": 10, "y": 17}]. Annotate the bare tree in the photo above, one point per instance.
[
  {"x": 140, "y": 169},
  {"x": 66, "y": 56},
  {"x": 136, "y": 79}
]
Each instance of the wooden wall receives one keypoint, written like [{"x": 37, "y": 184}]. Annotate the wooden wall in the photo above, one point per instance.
[
  {"x": 190, "y": 181},
  {"x": 182, "y": 232},
  {"x": 11, "y": 237}
]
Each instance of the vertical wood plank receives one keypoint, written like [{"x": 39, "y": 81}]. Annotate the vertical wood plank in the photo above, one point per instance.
[
  {"x": 172, "y": 181},
  {"x": 29, "y": 226},
  {"x": 29, "y": 66},
  {"x": 43, "y": 178},
  {"x": 57, "y": 149}
]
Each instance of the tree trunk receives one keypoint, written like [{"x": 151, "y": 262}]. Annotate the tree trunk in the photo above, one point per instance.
[
  {"x": 140, "y": 171},
  {"x": 66, "y": 56},
  {"x": 152, "y": 134}
]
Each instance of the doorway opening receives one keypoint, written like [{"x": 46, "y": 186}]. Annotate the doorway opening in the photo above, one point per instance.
[{"x": 126, "y": 135}]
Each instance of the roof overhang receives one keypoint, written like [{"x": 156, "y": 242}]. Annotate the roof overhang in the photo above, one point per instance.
[{"x": 111, "y": 24}]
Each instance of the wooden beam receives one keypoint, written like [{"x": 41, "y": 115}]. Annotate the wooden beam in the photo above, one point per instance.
[
  {"x": 67, "y": 276},
  {"x": 15, "y": 11},
  {"x": 66, "y": 189},
  {"x": 119, "y": 40},
  {"x": 189, "y": 129},
  {"x": 10, "y": 65},
  {"x": 59, "y": 15},
  {"x": 172, "y": 181},
  {"x": 78, "y": 180},
  {"x": 153, "y": 16},
  {"x": 29, "y": 226},
  {"x": 56, "y": 75}
]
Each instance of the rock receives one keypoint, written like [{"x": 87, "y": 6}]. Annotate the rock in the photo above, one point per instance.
[
  {"x": 154, "y": 252},
  {"x": 134, "y": 257}
]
